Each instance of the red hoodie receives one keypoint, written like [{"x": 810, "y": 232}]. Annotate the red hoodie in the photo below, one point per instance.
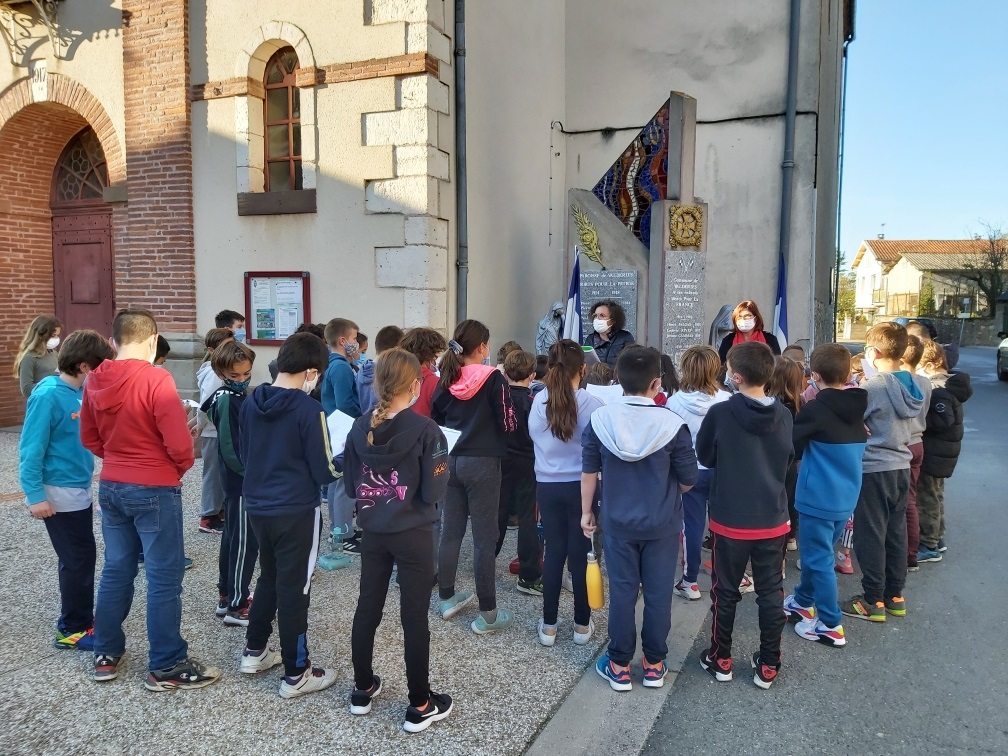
[
  {"x": 132, "y": 418},
  {"x": 428, "y": 385}
]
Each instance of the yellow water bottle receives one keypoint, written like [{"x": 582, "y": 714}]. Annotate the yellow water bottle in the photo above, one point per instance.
[{"x": 593, "y": 576}]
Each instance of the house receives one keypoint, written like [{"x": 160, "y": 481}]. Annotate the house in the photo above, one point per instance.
[{"x": 907, "y": 277}]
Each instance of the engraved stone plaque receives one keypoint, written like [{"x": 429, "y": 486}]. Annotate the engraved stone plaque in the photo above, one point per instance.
[
  {"x": 683, "y": 305},
  {"x": 618, "y": 285}
]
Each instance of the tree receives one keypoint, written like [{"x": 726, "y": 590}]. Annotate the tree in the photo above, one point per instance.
[
  {"x": 926, "y": 306},
  {"x": 846, "y": 295},
  {"x": 990, "y": 270}
]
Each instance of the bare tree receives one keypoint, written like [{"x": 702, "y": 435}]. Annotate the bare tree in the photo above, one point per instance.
[{"x": 990, "y": 270}]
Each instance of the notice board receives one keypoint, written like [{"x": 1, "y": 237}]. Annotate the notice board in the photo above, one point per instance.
[{"x": 276, "y": 303}]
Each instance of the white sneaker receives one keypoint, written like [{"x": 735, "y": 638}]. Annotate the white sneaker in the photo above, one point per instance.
[
  {"x": 746, "y": 586},
  {"x": 311, "y": 680},
  {"x": 582, "y": 638},
  {"x": 792, "y": 544},
  {"x": 689, "y": 591},
  {"x": 568, "y": 582},
  {"x": 547, "y": 633},
  {"x": 816, "y": 630},
  {"x": 252, "y": 664}
]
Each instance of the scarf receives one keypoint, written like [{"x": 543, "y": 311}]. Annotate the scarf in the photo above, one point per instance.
[{"x": 741, "y": 339}]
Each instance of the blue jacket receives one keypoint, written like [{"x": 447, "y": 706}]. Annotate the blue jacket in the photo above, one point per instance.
[
  {"x": 830, "y": 437},
  {"x": 366, "y": 395},
  {"x": 339, "y": 387},
  {"x": 50, "y": 449},
  {"x": 284, "y": 448},
  {"x": 644, "y": 452}
]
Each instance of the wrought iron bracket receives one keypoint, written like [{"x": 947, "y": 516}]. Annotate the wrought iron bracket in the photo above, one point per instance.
[{"x": 17, "y": 28}]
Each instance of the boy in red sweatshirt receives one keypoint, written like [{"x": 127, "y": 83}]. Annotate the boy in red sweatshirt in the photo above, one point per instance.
[{"x": 132, "y": 418}]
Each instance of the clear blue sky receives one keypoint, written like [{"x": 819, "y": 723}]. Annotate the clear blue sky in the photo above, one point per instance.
[{"x": 927, "y": 120}]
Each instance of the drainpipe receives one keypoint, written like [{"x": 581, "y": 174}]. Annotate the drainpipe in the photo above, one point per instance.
[
  {"x": 787, "y": 166},
  {"x": 461, "y": 185}
]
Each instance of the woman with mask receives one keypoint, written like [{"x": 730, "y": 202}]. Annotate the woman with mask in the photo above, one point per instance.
[
  {"x": 748, "y": 327},
  {"x": 609, "y": 336},
  {"x": 36, "y": 358}
]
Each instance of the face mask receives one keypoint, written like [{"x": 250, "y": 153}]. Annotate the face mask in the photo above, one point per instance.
[
  {"x": 238, "y": 386},
  {"x": 351, "y": 348},
  {"x": 746, "y": 324},
  {"x": 413, "y": 401},
  {"x": 239, "y": 335},
  {"x": 362, "y": 359},
  {"x": 309, "y": 386},
  {"x": 153, "y": 353},
  {"x": 730, "y": 384},
  {"x": 52, "y": 343},
  {"x": 813, "y": 384},
  {"x": 600, "y": 326}
]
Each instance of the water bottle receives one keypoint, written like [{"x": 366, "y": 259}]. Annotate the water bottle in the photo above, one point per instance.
[{"x": 593, "y": 577}]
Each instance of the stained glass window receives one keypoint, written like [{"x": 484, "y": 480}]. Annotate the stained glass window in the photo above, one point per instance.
[
  {"x": 81, "y": 175},
  {"x": 282, "y": 111}
]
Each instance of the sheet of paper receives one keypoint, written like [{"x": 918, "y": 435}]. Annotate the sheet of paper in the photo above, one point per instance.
[
  {"x": 261, "y": 296},
  {"x": 287, "y": 322},
  {"x": 451, "y": 436},
  {"x": 339, "y": 424},
  {"x": 868, "y": 368},
  {"x": 608, "y": 394},
  {"x": 288, "y": 292}
]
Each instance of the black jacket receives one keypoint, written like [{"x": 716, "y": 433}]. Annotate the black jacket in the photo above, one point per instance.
[
  {"x": 748, "y": 446},
  {"x": 609, "y": 351},
  {"x": 729, "y": 340},
  {"x": 400, "y": 477},
  {"x": 223, "y": 407},
  {"x": 944, "y": 432},
  {"x": 485, "y": 417},
  {"x": 519, "y": 444}
]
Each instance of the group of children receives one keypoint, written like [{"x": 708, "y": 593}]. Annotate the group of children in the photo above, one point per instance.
[{"x": 767, "y": 462}]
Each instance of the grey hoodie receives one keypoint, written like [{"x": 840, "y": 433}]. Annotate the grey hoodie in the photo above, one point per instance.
[
  {"x": 894, "y": 402},
  {"x": 207, "y": 382},
  {"x": 919, "y": 423},
  {"x": 692, "y": 407}
]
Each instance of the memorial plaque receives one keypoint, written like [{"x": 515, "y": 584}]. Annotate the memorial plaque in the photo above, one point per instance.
[
  {"x": 618, "y": 285},
  {"x": 683, "y": 306}
]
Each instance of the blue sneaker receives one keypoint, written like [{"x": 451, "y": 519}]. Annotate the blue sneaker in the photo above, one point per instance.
[
  {"x": 619, "y": 680},
  {"x": 481, "y": 627},
  {"x": 454, "y": 605},
  {"x": 82, "y": 641},
  {"x": 654, "y": 677},
  {"x": 928, "y": 555},
  {"x": 187, "y": 563}
]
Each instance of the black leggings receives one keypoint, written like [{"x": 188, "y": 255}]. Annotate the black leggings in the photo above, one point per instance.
[{"x": 560, "y": 513}]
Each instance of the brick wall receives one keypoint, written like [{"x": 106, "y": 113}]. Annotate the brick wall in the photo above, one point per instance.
[{"x": 158, "y": 271}]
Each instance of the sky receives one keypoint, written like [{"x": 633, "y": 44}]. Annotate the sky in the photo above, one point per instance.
[{"x": 926, "y": 149}]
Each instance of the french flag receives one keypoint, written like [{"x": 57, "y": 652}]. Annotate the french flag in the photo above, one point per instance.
[
  {"x": 572, "y": 314},
  {"x": 780, "y": 308}
]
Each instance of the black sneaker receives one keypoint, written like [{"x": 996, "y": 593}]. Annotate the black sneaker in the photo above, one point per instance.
[
  {"x": 763, "y": 674},
  {"x": 106, "y": 667},
  {"x": 352, "y": 545},
  {"x": 439, "y": 706},
  {"x": 360, "y": 700},
  {"x": 719, "y": 669},
  {"x": 212, "y": 524},
  {"x": 223, "y": 604},
  {"x": 188, "y": 674},
  {"x": 530, "y": 587}
]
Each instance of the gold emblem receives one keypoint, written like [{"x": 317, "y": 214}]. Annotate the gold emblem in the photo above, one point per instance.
[
  {"x": 685, "y": 225},
  {"x": 587, "y": 235}
]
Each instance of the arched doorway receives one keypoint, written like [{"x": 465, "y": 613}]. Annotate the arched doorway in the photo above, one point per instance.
[{"x": 82, "y": 236}]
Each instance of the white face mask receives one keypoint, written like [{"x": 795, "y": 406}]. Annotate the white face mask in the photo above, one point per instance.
[
  {"x": 52, "y": 343},
  {"x": 309, "y": 385},
  {"x": 600, "y": 326},
  {"x": 746, "y": 324}
]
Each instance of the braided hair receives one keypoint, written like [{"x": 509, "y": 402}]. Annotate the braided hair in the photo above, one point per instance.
[{"x": 395, "y": 372}]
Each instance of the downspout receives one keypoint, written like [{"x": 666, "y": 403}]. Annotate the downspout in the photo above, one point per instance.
[
  {"x": 843, "y": 133},
  {"x": 790, "y": 114},
  {"x": 461, "y": 185}
]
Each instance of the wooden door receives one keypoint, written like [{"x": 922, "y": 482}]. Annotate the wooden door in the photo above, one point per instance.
[{"x": 82, "y": 270}]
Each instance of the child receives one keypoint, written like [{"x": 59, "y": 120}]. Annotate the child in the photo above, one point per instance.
[
  {"x": 894, "y": 400},
  {"x": 646, "y": 458},
  {"x": 387, "y": 337},
  {"x": 911, "y": 359},
  {"x": 212, "y": 491},
  {"x": 541, "y": 366},
  {"x": 234, "y": 321},
  {"x": 786, "y": 386},
  {"x": 669, "y": 381},
  {"x": 504, "y": 351},
  {"x": 473, "y": 398},
  {"x": 55, "y": 472},
  {"x": 560, "y": 414},
  {"x": 284, "y": 449},
  {"x": 132, "y": 418},
  {"x": 942, "y": 444},
  {"x": 36, "y": 359},
  {"x": 599, "y": 374},
  {"x": 518, "y": 476},
  {"x": 747, "y": 442},
  {"x": 829, "y": 436},
  {"x": 396, "y": 466},
  {"x": 232, "y": 362},
  {"x": 161, "y": 353},
  {"x": 700, "y": 390},
  {"x": 362, "y": 347},
  {"x": 339, "y": 392},
  {"x": 426, "y": 345}
]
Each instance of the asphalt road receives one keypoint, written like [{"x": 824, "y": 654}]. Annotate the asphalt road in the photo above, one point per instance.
[{"x": 933, "y": 682}]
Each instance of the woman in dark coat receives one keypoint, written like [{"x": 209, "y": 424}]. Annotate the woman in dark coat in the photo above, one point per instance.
[
  {"x": 748, "y": 327},
  {"x": 608, "y": 336}
]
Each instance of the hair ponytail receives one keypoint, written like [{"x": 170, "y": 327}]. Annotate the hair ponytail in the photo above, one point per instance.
[
  {"x": 566, "y": 358},
  {"x": 469, "y": 334},
  {"x": 395, "y": 372}
]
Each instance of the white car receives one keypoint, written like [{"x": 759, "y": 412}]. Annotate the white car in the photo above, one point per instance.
[{"x": 1002, "y": 358}]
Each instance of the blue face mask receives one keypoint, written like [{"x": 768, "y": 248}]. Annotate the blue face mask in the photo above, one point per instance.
[
  {"x": 239, "y": 387},
  {"x": 239, "y": 335}
]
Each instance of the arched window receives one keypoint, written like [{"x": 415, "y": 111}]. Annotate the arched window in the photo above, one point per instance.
[
  {"x": 282, "y": 117},
  {"x": 81, "y": 173}
]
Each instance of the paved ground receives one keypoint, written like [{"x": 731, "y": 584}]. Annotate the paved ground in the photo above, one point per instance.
[
  {"x": 505, "y": 686},
  {"x": 933, "y": 682}
]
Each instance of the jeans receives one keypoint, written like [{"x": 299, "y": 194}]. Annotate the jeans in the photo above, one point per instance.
[
  {"x": 410, "y": 550},
  {"x": 912, "y": 516},
  {"x": 341, "y": 508},
  {"x": 880, "y": 533},
  {"x": 141, "y": 519},
  {"x": 239, "y": 550},
  {"x": 818, "y": 585},
  {"x": 212, "y": 492},
  {"x": 73, "y": 540},
  {"x": 931, "y": 505},
  {"x": 694, "y": 504},
  {"x": 560, "y": 512},
  {"x": 518, "y": 485}
]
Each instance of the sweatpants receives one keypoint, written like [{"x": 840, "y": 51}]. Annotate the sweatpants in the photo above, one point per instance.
[
  {"x": 817, "y": 587},
  {"x": 411, "y": 551},
  {"x": 560, "y": 513},
  {"x": 238, "y": 552},
  {"x": 74, "y": 543},
  {"x": 931, "y": 505},
  {"x": 647, "y": 565},
  {"x": 288, "y": 547},
  {"x": 473, "y": 494},
  {"x": 341, "y": 508},
  {"x": 518, "y": 487},
  {"x": 791, "y": 486},
  {"x": 880, "y": 534},
  {"x": 912, "y": 518},
  {"x": 729, "y": 557},
  {"x": 694, "y": 503},
  {"x": 212, "y": 491}
]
